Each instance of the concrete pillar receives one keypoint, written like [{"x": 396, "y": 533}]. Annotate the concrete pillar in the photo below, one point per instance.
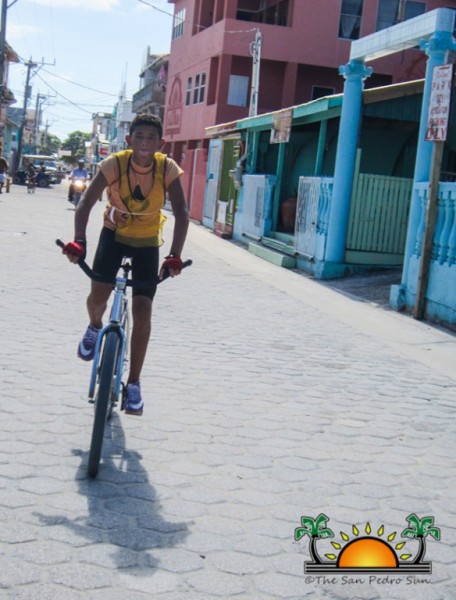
[
  {"x": 437, "y": 50},
  {"x": 355, "y": 72}
]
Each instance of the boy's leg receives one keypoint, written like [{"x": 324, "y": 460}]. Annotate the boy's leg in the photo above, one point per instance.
[
  {"x": 97, "y": 302},
  {"x": 145, "y": 268},
  {"x": 142, "y": 316},
  {"x": 96, "y": 306},
  {"x": 106, "y": 263}
]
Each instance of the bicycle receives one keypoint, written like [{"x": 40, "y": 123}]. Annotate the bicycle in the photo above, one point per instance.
[
  {"x": 111, "y": 356},
  {"x": 31, "y": 185}
]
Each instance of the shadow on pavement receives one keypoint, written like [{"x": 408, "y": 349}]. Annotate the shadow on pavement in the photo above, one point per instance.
[
  {"x": 373, "y": 287},
  {"x": 123, "y": 507}
]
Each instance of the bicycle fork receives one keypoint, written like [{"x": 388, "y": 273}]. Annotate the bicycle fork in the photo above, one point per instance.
[
  {"x": 119, "y": 361},
  {"x": 118, "y": 311}
]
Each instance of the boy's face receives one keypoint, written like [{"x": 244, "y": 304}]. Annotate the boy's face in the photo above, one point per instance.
[{"x": 145, "y": 142}]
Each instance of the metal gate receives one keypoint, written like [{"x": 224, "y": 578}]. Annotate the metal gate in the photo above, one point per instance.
[
  {"x": 307, "y": 215},
  {"x": 254, "y": 200}
]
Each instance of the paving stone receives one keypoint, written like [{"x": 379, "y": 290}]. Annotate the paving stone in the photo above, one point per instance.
[
  {"x": 216, "y": 583},
  {"x": 288, "y": 399}
]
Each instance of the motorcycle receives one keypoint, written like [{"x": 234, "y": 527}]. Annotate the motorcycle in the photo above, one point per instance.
[{"x": 77, "y": 188}]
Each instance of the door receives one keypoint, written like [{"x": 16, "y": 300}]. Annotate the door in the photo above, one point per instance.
[{"x": 212, "y": 183}]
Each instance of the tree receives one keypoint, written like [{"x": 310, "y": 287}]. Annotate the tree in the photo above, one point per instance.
[
  {"x": 75, "y": 142},
  {"x": 51, "y": 145},
  {"x": 420, "y": 528},
  {"x": 316, "y": 529}
]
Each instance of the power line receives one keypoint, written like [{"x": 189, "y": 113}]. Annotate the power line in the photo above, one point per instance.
[
  {"x": 62, "y": 96},
  {"x": 86, "y": 87},
  {"x": 156, "y": 8}
]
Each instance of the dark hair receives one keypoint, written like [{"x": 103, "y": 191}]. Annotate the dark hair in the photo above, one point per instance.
[{"x": 146, "y": 119}]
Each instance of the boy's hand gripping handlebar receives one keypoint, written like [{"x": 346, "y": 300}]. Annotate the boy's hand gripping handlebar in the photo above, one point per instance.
[{"x": 88, "y": 271}]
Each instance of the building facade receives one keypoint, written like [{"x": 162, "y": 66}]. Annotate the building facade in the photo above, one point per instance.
[
  {"x": 98, "y": 147},
  {"x": 364, "y": 171},
  {"x": 6, "y": 100},
  {"x": 228, "y": 56},
  {"x": 150, "y": 98},
  {"x": 122, "y": 116}
]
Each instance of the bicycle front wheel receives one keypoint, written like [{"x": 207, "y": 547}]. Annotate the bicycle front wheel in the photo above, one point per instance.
[{"x": 103, "y": 399}]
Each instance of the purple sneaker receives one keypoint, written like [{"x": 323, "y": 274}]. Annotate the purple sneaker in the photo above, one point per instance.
[
  {"x": 132, "y": 402},
  {"x": 86, "y": 348}
]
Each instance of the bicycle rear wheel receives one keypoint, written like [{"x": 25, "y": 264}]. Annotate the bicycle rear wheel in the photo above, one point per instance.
[{"x": 103, "y": 399}]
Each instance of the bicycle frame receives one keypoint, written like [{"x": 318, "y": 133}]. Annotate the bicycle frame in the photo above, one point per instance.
[{"x": 118, "y": 322}]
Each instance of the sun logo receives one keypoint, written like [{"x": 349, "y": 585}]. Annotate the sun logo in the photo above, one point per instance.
[{"x": 367, "y": 552}]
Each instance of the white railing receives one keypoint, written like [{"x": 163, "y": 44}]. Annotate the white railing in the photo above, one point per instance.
[{"x": 444, "y": 246}]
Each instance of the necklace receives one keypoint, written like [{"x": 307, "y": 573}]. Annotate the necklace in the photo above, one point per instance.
[{"x": 130, "y": 166}]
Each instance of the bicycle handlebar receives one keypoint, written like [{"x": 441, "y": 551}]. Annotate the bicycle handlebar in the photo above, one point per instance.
[{"x": 96, "y": 277}]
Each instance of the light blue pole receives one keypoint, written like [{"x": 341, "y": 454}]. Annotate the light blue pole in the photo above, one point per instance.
[
  {"x": 355, "y": 72},
  {"x": 436, "y": 48}
]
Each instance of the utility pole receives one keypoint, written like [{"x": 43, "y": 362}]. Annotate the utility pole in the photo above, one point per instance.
[
  {"x": 46, "y": 132},
  {"x": 255, "y": 51},
  {"x": 17, "y": 160},
  {"x": 36, "y": 128}
]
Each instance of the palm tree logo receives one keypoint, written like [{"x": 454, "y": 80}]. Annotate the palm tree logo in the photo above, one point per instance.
[
  {"x": 316, "y": 530},
  {"x": 367, "y": 553},
  {"x": 419, "y": 529}
]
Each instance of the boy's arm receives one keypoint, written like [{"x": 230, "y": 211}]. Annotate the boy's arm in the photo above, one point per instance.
[
  {"x": 87, "y": 202},
  {"x": 181, "y": 220}
]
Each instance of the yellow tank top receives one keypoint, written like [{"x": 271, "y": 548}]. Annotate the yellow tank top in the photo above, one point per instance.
[{"x": 145, "y": 220}]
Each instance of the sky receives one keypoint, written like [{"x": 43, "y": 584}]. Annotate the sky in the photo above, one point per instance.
[{"x": 86, "y": 50}]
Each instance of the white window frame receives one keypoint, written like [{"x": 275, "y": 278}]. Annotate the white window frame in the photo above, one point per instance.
[
  {"x": 199, "y": 88},
  {"x": 188, "y": 92},
  {"x": 178, "y": 24},
  {"x": 238, "y": 89}
]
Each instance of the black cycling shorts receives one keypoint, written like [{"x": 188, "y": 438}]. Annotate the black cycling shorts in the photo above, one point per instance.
[{"x": 144, "y": 263}]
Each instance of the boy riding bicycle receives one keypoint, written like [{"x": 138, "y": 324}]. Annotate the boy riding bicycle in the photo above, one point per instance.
[{"x": 137, "y": 180}]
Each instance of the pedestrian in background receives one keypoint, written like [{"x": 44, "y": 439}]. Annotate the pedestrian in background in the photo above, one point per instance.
[{"x": 3, "y": 172}]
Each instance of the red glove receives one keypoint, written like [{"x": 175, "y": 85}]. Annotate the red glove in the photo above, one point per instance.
[
  {"x": 77, "y": 249},
  {"x": 172, "y": 263}
]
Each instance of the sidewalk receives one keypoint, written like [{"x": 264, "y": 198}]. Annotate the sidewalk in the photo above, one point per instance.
[{"x": 268, "y": 397}]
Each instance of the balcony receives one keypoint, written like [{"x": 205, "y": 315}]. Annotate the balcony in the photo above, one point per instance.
[
  {"x": 151, "y": 94},
  {"x": 7, "y": 96}
]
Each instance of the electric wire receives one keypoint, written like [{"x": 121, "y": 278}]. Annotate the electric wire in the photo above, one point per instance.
[{"x": 86, "y": 87}]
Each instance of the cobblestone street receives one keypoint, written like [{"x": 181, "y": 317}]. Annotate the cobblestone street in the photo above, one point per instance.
[{"x": 269, "y": 397}]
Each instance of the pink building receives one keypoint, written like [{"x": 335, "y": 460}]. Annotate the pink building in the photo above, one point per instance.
[{"x": 303, "y": 43}]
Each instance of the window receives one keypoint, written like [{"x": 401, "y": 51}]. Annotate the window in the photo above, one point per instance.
[
  {"x": 188, "y": 93},
  {"x": 414, "y": 9},
  {"x": 237, "y": 90},
  {"x": 391, "y": 12},
  {"x": 320, "y": 92},
  {"x": 272, "y": 12},
  {"x": 198, "y": 90},
  {"x": 178, "y": 24},
  {"x": 350, "y": 19}
]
